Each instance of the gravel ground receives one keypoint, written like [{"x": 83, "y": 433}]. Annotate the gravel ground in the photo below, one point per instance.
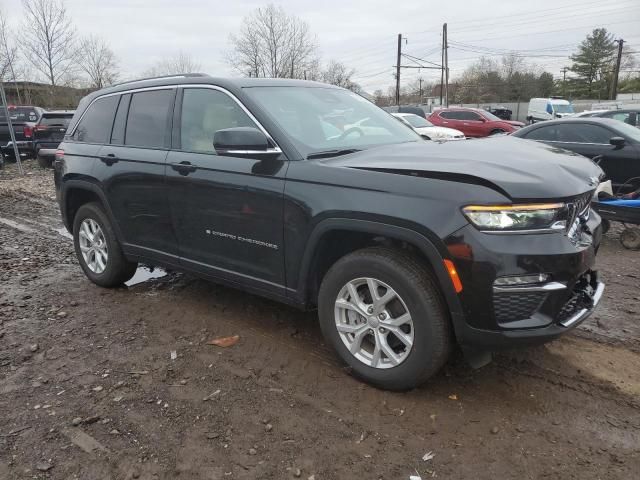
[{"x": 89, "y": 388}]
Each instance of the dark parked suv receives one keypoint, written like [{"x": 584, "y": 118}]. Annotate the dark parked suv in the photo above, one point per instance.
[
  {"x": 48, "y": 133},
  {"x": 404, "y": 246}
]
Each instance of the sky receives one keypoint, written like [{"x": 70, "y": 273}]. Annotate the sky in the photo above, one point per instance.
[{"x": 363, "y": 35}]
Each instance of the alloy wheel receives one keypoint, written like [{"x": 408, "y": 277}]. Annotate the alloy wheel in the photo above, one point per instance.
[
  {"x": 93, "y": 245},
  {"x": 374, "y": 323}
]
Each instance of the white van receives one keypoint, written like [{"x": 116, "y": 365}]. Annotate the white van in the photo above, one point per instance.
[{"x": 548, "y": 109}]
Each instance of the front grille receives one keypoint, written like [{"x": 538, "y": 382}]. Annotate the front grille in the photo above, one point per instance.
[
  {"x": 510, "y": 307},
  {"x": 578, "y": 207}
]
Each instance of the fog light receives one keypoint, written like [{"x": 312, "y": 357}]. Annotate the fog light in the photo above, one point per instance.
[{"x": 521, "y": 280}]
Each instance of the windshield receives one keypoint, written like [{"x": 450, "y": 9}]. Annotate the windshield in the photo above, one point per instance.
[
  {"x": 417, "y": 122},
  {"x": 562, "y": 108},
  {"x": 629, "y": 131},
  {"x": 19, "y": 115},
  {"x": 321, "y": 119}
]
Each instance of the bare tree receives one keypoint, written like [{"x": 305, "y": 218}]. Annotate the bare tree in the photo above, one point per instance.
[
  {"x": 272, "y": 43},
  {"x": 48, "y": 38},
  {"x": 179, "y": 63},
  {"x": 337, "y": 73},
  {"x": 97, "y": 61},
  {"x": 8, "y": 51}
]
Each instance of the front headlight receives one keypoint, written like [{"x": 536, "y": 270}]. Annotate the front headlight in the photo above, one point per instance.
[{"x": 500, "y": 218}]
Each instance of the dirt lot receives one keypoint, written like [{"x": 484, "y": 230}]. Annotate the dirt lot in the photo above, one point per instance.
[{"x": 89, "y": 389}]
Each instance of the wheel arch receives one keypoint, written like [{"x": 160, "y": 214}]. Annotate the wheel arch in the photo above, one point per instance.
[
  {"x": 76, "y": 193},
  {"x": 312, "y": 272}
]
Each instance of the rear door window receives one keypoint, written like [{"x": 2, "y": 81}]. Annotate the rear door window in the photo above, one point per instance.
[
  {"x": 147, "y": 122},
  {"x": 451, "y": 115},
  {"x": 583, "y": 133},
  {"x": 95, "y": 125},
  {"x": 544, "y": 134},
  {"x": 473, "y": 116}
]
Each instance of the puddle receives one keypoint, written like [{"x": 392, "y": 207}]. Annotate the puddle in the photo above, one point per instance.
[
  {"x": 144, "y": 273},
  {"x": 63, "y": 231}
]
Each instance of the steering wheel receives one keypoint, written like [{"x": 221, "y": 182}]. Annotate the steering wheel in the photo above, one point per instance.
[{"x": 351, "y": 130}]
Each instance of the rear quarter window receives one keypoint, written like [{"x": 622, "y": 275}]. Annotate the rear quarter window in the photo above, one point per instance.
[{"x": 95, "y": 125}]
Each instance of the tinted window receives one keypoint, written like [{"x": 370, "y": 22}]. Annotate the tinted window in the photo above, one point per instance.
[
  {"x": 546, "y": 134},
  {"x": 95, "y": 126},
  {"x": 469, "y": 116},
  {"x": 117, "y": 137},
  {"x": 451, "y": 115},
  {"x": 147, "y": 119},
  {"x": 19, "y": 114},
  {"x": 583, "y": 133},
  {"x": 57, "y": 120},
  {"x": 204, "y": 112}
]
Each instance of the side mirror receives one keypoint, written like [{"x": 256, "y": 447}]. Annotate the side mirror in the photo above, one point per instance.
[
  {"x": 483, "y": 120},
  {"x": 240, "y": 140},
  {"x": 617, "y": 142}
]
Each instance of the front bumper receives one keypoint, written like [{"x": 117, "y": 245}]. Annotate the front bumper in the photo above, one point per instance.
[{"x": 506, "y": 316}]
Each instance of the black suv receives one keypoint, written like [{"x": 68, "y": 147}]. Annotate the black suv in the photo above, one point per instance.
[
  {"x": 48, "y": 133},
  {"x": 404, "y": 246}
]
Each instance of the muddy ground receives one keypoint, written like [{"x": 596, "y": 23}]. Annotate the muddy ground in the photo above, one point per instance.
[{"x": 88, "y": 388}]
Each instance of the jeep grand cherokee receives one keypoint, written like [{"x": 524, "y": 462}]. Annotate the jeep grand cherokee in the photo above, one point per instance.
[{"x": 311, "y": 195}]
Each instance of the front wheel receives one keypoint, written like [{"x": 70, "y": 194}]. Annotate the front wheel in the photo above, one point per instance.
[
  {"x": 382, "y": 313},
  {"x": 98, "y": 249}
]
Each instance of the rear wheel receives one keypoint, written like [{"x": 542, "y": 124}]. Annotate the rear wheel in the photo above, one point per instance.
[
  {"x": 630, "y": 238},
  {"x": 98, "y": 249},
  {"x": 382, "y": 313}
]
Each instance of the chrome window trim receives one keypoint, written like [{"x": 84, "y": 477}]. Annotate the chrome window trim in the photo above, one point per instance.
[
  {"x": 571, "y": 143},
  {"x": 275, "y": 149},
  {"x": 123, "y": 92}
]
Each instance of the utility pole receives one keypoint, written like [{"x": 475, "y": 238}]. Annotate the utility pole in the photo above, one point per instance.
[
  {"x": 564, "y": 80},
  {"x": 12, "y": 133},
  {"x": 446, "y": 65},
  {"x": 442, "y": 68},
  {"x": 616, "y": 73},
  {"x": 420, "y": 90},
  {"x": 398, "y": 69}
]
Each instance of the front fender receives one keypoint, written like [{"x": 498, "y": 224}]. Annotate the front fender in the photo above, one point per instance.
[{"x": 427, "y": 246}]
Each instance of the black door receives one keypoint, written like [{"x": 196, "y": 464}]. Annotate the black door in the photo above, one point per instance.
[
  {"x": 227, "y": 211},
  {"x": 593, "y": 141},
  {"x": 132, "y": 168}
]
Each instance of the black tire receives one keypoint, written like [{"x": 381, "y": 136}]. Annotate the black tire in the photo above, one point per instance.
[
  {"x": 118, "y": 269},
  {"x": 497, "y": 131},
  {"x": 630, "y": 238},
  {"x": 45, "y": 162},
  {"x": 416, "y": 286},
  {"x": 606, "y": 226}
]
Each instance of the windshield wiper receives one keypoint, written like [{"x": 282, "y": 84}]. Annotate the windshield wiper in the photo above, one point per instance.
[{"x": 332, "y": 153}]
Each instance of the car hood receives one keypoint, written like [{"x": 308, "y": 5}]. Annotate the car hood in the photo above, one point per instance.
[{"x": 517, "y": 168}]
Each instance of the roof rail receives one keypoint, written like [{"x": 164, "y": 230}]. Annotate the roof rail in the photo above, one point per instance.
[{"x": 176, "y": 75}]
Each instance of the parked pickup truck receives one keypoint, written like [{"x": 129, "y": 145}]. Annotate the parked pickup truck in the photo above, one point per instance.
[
  {"x": 404, "y": 246},
  {"x": 48, "y": 133},
  {"x": 23, "y": 119}
]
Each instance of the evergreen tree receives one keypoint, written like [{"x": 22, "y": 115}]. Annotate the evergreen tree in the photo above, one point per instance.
[{"x": 592, "y": 64}]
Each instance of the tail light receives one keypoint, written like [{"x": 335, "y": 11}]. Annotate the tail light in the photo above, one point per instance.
[
  {"x": 59, "y": 155},
  {"x": 27, "y": 131}
]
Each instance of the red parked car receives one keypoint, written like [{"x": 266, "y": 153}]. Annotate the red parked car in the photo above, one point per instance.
[{"x": 473, "y": 122}]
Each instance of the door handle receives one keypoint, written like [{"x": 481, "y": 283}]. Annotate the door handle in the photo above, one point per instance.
[
  {"x": 184, "y": 168},
  {"x": 109, "y": 159}
]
